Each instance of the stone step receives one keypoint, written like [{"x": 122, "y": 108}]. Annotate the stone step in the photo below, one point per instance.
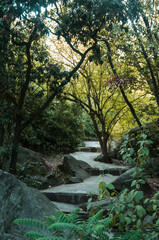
[
  {"x": 69, "y": 197},
  {"x": 68, "y": 208},
  {"x": 96, "y": 168},
  {"x": 79, "y": 192},
  {"x": 116, "y": 171},
  {"x": 89, "y": 149},
  {"x": 90, "y": 146}
]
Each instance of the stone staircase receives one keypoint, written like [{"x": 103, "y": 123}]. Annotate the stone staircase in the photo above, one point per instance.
[{"x": 67, "y": 197}]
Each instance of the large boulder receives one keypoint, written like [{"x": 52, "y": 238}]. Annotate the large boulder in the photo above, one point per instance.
[
  {"x": 19, "y": 201},
  {"x": 125, "y": 180},
  {"x": 76, "y": 168},
  {"x": 27, "y": 156}
]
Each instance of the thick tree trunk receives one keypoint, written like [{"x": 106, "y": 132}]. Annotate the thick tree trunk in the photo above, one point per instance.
[{"x": 16, "y": 139}]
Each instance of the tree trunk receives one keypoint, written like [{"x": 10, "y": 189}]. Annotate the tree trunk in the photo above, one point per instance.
[
  {"x": 132, "y": 110},
  {"x": 107, "y": 158},
  {"x": 16, "y": 139},
  {"x": 103, "y": 140},
  {"x": 1, "y": 135}
]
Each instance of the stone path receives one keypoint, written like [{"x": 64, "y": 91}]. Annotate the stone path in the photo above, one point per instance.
[
  {"x": 68, "y": 196},
  {"x": 89, "y": 157}
]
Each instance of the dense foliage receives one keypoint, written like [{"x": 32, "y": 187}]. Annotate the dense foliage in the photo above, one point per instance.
[{"x": 59, "y": 130}]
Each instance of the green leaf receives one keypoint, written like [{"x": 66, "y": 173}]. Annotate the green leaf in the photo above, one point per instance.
[
  {"x": 138, "y": 196},
  {"x": 157, "y": 222},
  {"x": 145, "y": 151},
  {"x": 131, "y": 151},
  {"x": 148, "y": 142},
  {"x": 140, "y": 211},
  {"x": 141, "y": 181},
  {"x": 122, "y": 218},
  {"x": 128, "y": 220},
  {"x": 124, "y": 156},
  {"x": 138, "y": 224},
  {"x": 110, "y": 186},
  {"x": 133, "y": 183}
]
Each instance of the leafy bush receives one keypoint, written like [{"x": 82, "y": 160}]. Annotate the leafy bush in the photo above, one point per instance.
[
  {"x": 139, "y": 153},
  {"x": 89, "y": 131},
  {"x": 5, "y": 155},
  {"x": 60, "y": 129}
]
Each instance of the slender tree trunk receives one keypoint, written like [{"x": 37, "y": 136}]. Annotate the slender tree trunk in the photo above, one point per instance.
[
  {"x": 107, "y": 158},
  {"x": 16, "y": 139},
  {"x": 103, "y": 140},
  {"x": 132, "y": 110},
  {"x": 2, "y": 131},
  {"x": 130, "y": 107}
]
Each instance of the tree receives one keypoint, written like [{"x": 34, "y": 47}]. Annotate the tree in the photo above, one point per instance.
[
  {"x": 104, "y": 106},
  {"x": 144, "y": 22},
  {"x": 135, "y": 42},
  {"x": 28, "y": 70}
]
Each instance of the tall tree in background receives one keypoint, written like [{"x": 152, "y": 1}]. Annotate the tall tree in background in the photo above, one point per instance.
[{"x": 104, "y": 106}]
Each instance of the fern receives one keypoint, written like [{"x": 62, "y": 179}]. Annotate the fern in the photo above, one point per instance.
[
  {"x": 73, "y": 216},
  {"x": 62, "y": 226},
  {"x": 95, "y": 218},
  {"x": 31, "y": 223},
  {"x": 107, "y": 221},
  {"x": 50, "y": 220},
  {"x": 132, "y": 235},
  {"x": 94, "y": 228},
  {"x": 62, "y": 217},
  {"x": 52, "y": 238},
  {"x": 34, "y": 235}
]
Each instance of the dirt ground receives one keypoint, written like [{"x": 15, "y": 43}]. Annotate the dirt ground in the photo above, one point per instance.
[{"x": 53, "y": 161}]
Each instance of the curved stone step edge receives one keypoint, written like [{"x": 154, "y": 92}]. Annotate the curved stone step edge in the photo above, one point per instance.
[
  {"x": 72, "y": 198},
  {"x": 112, "y": 171}
]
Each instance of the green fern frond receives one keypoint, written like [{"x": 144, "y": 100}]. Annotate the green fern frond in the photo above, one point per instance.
[
  {"x": 52, "y": 238},
  {"x": 34, "y": 235},
  {"x": 92, "y": 220},
  {"x": 107, "y": 221},
  {"x": 62, "y": 226},
  {"x": 132, "y": 235},
  {"x": 74, "y": 217},
  {"x": 95, "y": 229},
  {"x": 30, "y": 223},
  {"x": 117, "y": 237},
  {"x": 62, "y": 217},
  {"x": 50, "y": 220}
]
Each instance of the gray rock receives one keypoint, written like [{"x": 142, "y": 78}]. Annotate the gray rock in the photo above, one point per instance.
[
  {"x": 124, "y": 180},
  {"x": 19, "y": 201},
  {"x": 75, "y": 167},
  {"x": 100, "y": 158},
  {"x": 28, "y": 156},
  {"x": 96, "y": 206}
]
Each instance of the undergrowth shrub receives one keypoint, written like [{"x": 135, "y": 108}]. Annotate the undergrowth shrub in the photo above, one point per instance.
[
  {"x": 55, "y": 227},
  {"x": 59, "y": 129}
]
